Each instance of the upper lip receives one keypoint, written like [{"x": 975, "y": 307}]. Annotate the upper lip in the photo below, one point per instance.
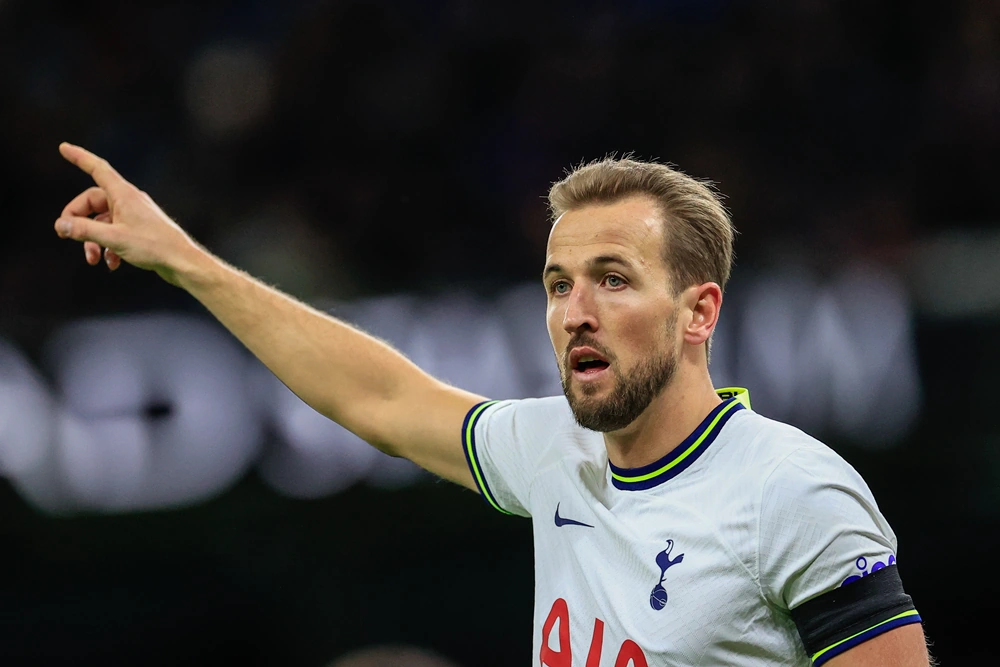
[{"x": 578, "y": 353}]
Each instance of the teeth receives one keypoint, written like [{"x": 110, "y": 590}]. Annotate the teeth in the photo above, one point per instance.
[{"x": 588, "y": 358}]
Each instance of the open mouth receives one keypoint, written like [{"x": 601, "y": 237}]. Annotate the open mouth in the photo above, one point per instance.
[
  {"x": 587, "y": 362},
  {"x": 591, "y": 366}
]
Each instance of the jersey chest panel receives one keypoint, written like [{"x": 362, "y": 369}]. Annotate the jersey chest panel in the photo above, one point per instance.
[{"x": 652, "y": 572}]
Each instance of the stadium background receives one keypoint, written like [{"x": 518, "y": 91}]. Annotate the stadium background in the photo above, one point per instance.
[{"x": 389, "y": 160}]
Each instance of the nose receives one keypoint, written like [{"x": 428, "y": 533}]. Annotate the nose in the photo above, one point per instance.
[{"x": 581, "y": 312}]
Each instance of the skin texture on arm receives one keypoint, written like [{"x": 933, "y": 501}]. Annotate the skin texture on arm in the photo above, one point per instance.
[
  {"x": 900, "y": 647},
  {"x": 352, "y": 378}
]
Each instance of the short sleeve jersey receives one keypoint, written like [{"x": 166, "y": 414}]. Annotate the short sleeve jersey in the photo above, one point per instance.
[{"x": 700, "y": 558}]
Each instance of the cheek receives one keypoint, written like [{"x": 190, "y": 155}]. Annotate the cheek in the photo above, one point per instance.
[
  {"x": 642, "y": 336},
  {"x": 557, "y": 334}
]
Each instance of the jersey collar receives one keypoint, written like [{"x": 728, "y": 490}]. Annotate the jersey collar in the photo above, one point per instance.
[{"x": 686, "y": 453}]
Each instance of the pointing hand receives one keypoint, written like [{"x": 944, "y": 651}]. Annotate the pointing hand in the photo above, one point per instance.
[{"x": 126, "y": 221}]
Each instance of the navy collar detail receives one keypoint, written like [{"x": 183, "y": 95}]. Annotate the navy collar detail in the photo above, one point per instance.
[{"x": 679, "y": 458}]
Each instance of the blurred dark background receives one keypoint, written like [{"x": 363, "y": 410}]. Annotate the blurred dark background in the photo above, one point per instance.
[{"x": 390, "y": 159}]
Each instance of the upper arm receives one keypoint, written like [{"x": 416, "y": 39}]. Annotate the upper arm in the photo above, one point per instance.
[
  {"x": 495, "y": 447},
  {"x": 820, "y": 528},
  {"x": 900, "y": 647},
  {"x": 424, "y": 425},
  {"x": 828, "y": 556}
]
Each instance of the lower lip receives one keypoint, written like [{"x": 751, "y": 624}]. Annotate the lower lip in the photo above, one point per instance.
[{"x": 591, "y": 375}]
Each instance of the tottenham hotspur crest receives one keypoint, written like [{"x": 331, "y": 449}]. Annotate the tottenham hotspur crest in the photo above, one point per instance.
[{"x": 658, "y": 597}]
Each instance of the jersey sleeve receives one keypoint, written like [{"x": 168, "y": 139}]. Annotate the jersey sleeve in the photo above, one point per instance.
[
  {"x": 827, "y": 555},
  {"x": 503, "y": 442}
]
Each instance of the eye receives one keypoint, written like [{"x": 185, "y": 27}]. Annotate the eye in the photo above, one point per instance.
[
  {"x": 614, "y": 281},
  {"x": 560, "y": 287}
]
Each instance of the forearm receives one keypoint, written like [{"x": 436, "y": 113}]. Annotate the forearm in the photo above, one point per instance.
[
  {"x": 352, "y": 378},
  {"x": 341, "y": 372}
]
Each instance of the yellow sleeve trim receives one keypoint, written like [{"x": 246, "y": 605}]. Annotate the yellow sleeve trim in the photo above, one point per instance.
[
  {"x": 912, "y": 612},
  {"x": 469, "y": 441}
]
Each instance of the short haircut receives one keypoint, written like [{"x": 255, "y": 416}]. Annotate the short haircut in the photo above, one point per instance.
[{"x": 698, "y": 234}]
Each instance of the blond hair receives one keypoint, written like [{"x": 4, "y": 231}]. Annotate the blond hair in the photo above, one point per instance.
[{"x": 698, "y": 234}]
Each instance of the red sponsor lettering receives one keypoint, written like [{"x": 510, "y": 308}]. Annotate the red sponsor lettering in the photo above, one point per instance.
[
  {"x": 596, "y": 644},
  {"x": 564, "y": 656},
  {"x": 629, "y": 655},
  {"x": 630, "y": 652}
]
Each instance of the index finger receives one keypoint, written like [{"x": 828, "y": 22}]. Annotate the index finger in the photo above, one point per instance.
[{"x": 97, "y": 167}]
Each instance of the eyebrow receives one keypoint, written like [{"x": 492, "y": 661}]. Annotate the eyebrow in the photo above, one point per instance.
[{"x": 600, "y": 260}]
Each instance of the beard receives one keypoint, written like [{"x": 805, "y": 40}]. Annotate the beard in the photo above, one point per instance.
[{"x": 629, "y": 398}]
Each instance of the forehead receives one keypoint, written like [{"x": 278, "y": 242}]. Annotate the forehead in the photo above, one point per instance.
[{"x": 632, "y": 227}]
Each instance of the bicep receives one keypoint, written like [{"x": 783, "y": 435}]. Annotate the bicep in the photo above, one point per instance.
[
  {"x": 424, "y": 425},
  {"x": 900, "y": 647}
]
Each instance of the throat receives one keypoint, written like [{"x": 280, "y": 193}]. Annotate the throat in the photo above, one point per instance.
[{"x": 630, "y": 448}]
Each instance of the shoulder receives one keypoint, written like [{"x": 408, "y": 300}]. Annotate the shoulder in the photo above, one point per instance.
[
  {"x": 553, "y": 409},
  {"x": 794, "y": 474},
  {"x": 782, "y": 453},
  {"x": 766, "y": 449},
  {"x": 532, "y": 421},
  {"x": 805, "y": 464},
  {"x": 517, "y": 441},
  {"x": 812, "y": 500}
]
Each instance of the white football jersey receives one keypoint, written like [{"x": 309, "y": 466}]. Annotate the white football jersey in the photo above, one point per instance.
[{"x": 696, "y": 559}]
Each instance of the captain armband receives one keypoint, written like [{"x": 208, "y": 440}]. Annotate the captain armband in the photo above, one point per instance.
[{"x": 850, "y": 615}]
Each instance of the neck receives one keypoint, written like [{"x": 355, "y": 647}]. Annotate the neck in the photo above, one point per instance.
[{"x": 670, "y": 418}]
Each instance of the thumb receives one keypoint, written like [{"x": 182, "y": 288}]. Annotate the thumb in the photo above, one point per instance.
[{"x": 87, "y": 229}]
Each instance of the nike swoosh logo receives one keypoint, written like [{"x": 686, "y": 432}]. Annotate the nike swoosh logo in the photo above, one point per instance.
[{"x": 560, "y": 522}]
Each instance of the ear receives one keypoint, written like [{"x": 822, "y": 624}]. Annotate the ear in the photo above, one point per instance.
[{"x": 705, "y": 302}]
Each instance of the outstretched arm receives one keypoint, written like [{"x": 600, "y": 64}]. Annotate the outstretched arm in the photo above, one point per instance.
[{"x": 352, "y": 378}]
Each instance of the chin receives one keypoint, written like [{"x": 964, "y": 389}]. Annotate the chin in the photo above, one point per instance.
[
  {"x": 591, "y": 400},
  {"x": 588, "y": 391}
]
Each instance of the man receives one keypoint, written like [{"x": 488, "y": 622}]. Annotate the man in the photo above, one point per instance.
[{"x": 674, "y": 525}]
